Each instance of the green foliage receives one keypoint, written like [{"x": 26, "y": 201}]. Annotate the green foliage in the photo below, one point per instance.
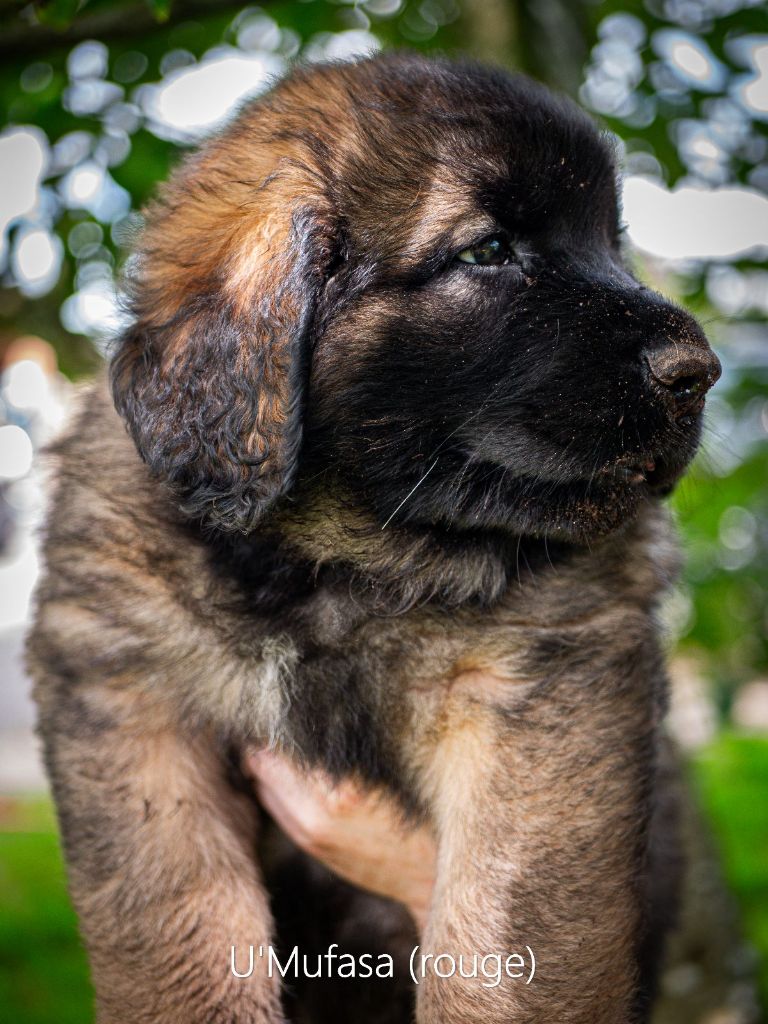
[
  {"x": 91, "y": 107},
  {"x": 730, "y": 776},
  {"x": 58, "y": 13},
  {"x": 727, "y": 586},
  {"x": 161, "y": 9},
  {"x": 611, "y": 55},
  {"x": 659, "y": 96},
  {"x": 675, "y": 124}
]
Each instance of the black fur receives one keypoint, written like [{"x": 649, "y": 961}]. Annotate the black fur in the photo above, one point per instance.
[{"x": 399, "y": 521}]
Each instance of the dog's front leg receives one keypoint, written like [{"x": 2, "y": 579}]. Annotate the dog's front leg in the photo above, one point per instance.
[
  {"x": 160, "y": 859},
  {"x": 541, "y": 809}
]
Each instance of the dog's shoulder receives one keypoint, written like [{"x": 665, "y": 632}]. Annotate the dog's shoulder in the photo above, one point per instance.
[
  {"x": 122, "y": 573},
  {"x": 97, "y": 470},
  {"x": 104, "y": 502}
]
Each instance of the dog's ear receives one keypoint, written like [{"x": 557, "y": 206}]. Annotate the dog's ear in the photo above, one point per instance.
[{"x": 210, "y": 378}]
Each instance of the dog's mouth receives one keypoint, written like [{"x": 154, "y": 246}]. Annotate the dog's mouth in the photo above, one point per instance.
[
  {"x": 595, "y": 506},
  {"x": 650, "y": 472},
  {"x": 574, "y": 509},
  {"x": 634, "y": 472},
  {"x": 573, "y": 502}
]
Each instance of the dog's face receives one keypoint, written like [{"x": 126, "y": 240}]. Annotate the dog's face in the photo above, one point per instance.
[{"x": 406, "y": 278}]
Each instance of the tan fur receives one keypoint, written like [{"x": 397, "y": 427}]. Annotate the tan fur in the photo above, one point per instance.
[{"x": 520, "y": 729}]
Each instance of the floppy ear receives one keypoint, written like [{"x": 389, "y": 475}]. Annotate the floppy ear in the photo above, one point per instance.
[{"x": 211, "y": 376}]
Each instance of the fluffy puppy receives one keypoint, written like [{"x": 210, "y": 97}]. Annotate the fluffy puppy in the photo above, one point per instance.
[{"x": 400, "y": 418}]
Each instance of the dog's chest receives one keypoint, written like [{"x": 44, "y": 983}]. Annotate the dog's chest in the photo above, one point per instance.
[{"x": 364, "y": 687}]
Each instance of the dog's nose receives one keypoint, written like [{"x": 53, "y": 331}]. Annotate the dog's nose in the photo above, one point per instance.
[{"x": 684, "y": 373}]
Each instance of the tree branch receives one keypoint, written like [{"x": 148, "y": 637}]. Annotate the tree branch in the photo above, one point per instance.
[{"x": 24, "y": 37}]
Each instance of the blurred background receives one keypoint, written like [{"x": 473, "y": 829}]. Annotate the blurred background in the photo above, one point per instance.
[{"x": 99, "y": 98}]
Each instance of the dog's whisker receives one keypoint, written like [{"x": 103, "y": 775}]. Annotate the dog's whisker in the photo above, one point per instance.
[
  {"x": 473, "y": 416},
  {"x": 410, "y": 494}
]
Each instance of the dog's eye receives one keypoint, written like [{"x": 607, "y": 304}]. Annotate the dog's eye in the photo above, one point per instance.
[{"x": 494, "y": 251}]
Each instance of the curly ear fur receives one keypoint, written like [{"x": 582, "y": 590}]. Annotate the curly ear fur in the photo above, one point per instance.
[{"x": 210, "y": 378}]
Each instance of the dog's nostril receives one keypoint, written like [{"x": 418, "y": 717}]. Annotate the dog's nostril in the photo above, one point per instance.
[
  {"x": 685, "y": 387},
  {"x": 685, "y": 374}
]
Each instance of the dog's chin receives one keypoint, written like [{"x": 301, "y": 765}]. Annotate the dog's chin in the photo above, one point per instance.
[
  {"x": 581, "y": 509},
  {"x": 585, "y": 509},
  {"x": 577, "y": 502},
  {"x": 578, "y": 511}
]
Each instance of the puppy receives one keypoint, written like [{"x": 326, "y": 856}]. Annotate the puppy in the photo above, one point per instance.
[{"x": 399, "y": 422}]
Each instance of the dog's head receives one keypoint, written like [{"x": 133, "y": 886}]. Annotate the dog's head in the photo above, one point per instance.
[{"x": 406, "y": 277}]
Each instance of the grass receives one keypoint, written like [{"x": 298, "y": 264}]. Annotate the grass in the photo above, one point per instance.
[{"x": 731, "y": 776}]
